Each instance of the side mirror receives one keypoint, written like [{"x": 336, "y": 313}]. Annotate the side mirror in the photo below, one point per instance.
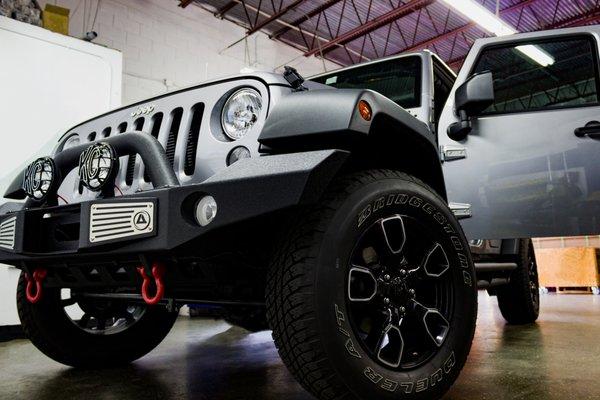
[{"x": 471, "y": 98}]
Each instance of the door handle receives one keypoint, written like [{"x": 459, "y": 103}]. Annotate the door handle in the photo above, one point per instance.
[{"x": 591, "y": 130}]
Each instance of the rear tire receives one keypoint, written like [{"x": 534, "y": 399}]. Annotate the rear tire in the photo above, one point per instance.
[
  {"x": 519, "y": 301},
  {"x": 313, "y": 292},
  {"x": 55, "y": 334}
]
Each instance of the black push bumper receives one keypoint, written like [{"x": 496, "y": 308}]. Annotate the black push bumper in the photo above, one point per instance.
[{"x": 247, "y": 189}]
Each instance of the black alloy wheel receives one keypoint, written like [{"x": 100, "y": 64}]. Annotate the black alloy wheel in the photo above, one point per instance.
[{"x": 399, "y": 295}]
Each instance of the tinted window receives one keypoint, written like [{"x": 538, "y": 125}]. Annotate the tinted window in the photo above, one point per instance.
[
  {"x": 564, "y": 75},
  {"x": 398, "y": 80}
]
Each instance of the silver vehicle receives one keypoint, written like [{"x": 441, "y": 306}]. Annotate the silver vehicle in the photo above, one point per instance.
[{"x": 330, "y": 216}]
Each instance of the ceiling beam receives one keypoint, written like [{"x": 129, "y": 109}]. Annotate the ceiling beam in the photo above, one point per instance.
[
  {"x": 374, "y": 24},
  {"x": 282, "y": 22},
  {"x": 274, "y": 17},
  {"x": 185, "y": 3},
  {"x": 223, "y": 10},
  {"x": 592, "y": 15},
  {"x": 460, "y": 30},
  {"x": 313, "y": 13}
]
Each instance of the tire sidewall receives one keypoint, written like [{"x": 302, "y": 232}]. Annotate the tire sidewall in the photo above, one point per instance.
[{"x": 363, "y": 376}]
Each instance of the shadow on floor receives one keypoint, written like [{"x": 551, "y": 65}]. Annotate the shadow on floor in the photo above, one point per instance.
[{"x": 201, "y": 359}]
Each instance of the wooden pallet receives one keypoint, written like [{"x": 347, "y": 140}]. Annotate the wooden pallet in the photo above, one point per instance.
[
  {"x": 569, "y": 270},
  {"x": 574, "y": 290}
]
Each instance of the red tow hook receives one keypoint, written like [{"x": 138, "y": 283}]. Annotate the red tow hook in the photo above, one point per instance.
[
  {"x": 38, "y": 276},
  {"x": 158, "y": 271}
]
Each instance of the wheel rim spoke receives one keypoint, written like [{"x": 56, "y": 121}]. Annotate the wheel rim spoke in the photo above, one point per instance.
[
  {"x": 378, "y": 325},
  {"x": 84, "y": 321},
  {"x": 68, "y": 302},
  {"x": 436, "y": 262},
  {"x": 436, "y": 326},
  {"x": 394, "y": 233},
  {"x": 362, "y": 284},
  {"x": 391, "y": 346}
]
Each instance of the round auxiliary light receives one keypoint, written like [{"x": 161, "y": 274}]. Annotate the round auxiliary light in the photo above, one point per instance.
[
  {"x": 241, "y": 112},
  {"x": 364, "y": 109},
  {"x": 39, "y": 178},
  {"x": 206, "y": 210},
  {"x": 237, "y": 154},
  {"x": 98, "y": 166}
]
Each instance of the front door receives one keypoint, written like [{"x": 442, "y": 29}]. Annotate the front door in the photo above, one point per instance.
[{"x": 530, "y": 169}]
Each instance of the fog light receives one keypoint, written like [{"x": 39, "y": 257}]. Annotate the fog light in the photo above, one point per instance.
[
  {"x": 206, "y": 210},
  {"x": 237, "y": 154},
  {"x": 98, "y": 166},
  {"x": 39, "y": 178}
]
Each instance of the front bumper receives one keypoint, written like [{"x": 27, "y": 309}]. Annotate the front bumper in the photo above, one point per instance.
[{"x": 249, "y": 188}]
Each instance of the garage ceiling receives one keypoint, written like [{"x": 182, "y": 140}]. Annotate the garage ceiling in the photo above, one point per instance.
[{"x": 350, "y": 31}]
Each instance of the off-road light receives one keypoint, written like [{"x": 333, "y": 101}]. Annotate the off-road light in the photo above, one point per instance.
[
  {"x": 39, "y": 178},
  {"x": 493, "y": 24},
  {"x": 241, "y": 112},
  {"x": 98, "y": 166},
  {"x": 237, "y": 154},
  {"x": 364, "y": 110},
  {"x": 206, "y": 210}
]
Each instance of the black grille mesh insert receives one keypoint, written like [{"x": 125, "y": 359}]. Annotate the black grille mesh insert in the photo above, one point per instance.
[
  {"x": 173, "y": 133},
  {"x": 192, "y": 141}
]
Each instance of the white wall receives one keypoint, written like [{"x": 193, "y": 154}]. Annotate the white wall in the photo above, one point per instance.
[
  {"x": 166, "y": 47},
  {"x": 49, "y": 83}
]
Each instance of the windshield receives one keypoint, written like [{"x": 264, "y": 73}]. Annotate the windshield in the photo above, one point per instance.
[{"x": 397, "y": 79}]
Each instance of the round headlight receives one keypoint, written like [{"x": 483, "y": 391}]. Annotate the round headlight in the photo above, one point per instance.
[
  {"x": 241, "y": 112},
  {"x": 71, "y": 141}
]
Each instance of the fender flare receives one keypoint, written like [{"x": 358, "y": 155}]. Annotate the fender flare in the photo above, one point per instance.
[{"x": 329, "y": 119}]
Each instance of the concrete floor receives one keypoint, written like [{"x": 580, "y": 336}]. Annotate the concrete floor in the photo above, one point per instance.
[{"x": 559, "y": 358}]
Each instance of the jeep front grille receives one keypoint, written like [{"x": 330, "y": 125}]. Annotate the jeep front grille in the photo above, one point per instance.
[{"x": 186, "y": 123}]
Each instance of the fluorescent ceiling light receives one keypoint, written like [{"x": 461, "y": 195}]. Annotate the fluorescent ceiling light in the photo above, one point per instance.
[
  {"x": 482, "y": 16},
  {"x": 536, "y": 54},
  {"x": 493, "y": 24}
]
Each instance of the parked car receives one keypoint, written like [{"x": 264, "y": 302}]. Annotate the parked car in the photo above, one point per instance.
[{"x": 330, "y": 216}]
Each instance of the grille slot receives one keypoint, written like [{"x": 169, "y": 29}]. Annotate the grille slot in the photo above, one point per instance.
[
  {"x": 138, "y": 125},
  {"x": 156, "y": 124},
  {"x": 173, "y": 133},
  {"x": 8, "y": 230},
  {"x": 192, "y": 140}
]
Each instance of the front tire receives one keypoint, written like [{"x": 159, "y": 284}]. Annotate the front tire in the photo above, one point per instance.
[
  {"x": 373, "y": 295},
  {"x": 519, "y": 300},
  {"x": 109, "y": 334}
]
